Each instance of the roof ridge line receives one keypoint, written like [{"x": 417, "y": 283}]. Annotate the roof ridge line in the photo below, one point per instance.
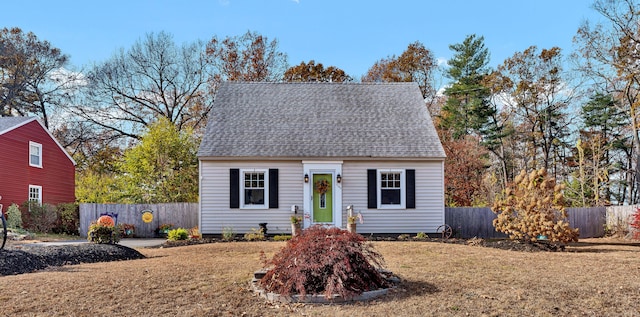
[{"x": 320, "y": 83}]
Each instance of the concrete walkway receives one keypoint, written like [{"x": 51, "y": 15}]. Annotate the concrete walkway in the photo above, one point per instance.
[
  {"x": 134, "y": 243},
  {"x": 142, "y": 243}
]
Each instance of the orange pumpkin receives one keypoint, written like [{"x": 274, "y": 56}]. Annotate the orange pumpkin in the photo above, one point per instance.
[{"x": 106, "y": 221}]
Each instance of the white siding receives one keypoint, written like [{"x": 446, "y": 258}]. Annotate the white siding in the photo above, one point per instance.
[
  {"x": 426, "y": 217},
  {"x": 429, "y": 211},
  {"x": 214, "y": 198}
]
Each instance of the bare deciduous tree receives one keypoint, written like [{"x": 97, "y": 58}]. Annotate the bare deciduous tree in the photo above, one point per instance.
[
  {"x": 608, "y": 55},
  {"x": 540, "y": 98},
  {"x": 154, "y": 78},
  {"x": 33, "y": 80}
]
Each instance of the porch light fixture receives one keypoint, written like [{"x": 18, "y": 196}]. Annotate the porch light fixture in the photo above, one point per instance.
[
  {"x": 306, "y": 178},
  {"x": 339, "y": 178}
]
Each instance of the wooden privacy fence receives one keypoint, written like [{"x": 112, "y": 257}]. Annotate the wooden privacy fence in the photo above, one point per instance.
[
  {"x": 591, "y": 221},
  {"x": 478, "y": 222},
  {"x": 466, "y": 222},
  {"x": 471, "y": 222},
  {"x": 181, "y": 215}
]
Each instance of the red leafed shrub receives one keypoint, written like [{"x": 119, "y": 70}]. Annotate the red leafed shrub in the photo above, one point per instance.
[
  {"x": 635, "y": 223},
  {"x": 325, "y": 261}
]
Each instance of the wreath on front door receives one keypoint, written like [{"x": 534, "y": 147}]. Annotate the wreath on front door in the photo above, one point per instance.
[{"x": 322, "y": 186}]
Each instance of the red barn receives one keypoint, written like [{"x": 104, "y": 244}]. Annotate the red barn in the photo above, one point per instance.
[{"x": 33, "y": 165}]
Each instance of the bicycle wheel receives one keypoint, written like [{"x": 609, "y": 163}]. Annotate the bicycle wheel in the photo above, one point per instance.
[{"x": 4, "y": 230}]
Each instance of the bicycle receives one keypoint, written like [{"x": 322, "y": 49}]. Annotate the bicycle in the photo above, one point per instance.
[{"x": 4, "y": 227}]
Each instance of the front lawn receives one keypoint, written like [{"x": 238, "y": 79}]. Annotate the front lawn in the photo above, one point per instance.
[{"x": 595, "y": 277}]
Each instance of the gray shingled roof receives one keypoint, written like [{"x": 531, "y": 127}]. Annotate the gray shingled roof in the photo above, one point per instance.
[
  {"x": 318, "y": 120},
  {"x": 7, "y": 123}
]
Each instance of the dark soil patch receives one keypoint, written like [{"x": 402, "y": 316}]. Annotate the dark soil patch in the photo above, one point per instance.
[{"x": 515, "y": 245}]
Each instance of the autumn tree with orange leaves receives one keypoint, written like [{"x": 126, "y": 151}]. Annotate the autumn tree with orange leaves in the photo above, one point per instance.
[
  {"x": 415, "y": 64},
  {"x": 465, "y": 166},
  {"x": 250, "y": 57},
  {"x": 312, "y": 72}
]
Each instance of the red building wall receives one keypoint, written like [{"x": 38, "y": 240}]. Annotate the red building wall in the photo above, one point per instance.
[{"x": 57, "y": 175}]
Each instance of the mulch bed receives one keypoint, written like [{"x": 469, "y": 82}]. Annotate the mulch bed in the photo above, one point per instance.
[
  {"x": 25, "y": 258},
  {"x": 503, "y": 244}
]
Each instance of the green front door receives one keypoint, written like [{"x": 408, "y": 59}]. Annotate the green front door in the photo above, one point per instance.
[{"x": 322, "y": 198}]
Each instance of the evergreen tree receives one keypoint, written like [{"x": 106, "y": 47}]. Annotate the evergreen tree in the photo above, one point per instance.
[
  {"x": 467, "y": 109},
  {"x": 601, "y": 114},
  {"x": 605, "y": 145}
]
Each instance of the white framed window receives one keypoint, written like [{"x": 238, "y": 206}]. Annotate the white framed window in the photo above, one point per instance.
[
  {"x": 35, "y": 194},
  {"x": 35, "y": 154},
  {"x": 254, "y": 189},
  {"x": 391, "y": 189}
]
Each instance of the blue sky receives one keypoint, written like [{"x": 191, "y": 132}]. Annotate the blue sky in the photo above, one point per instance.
[{"x": 351, "y": 35}]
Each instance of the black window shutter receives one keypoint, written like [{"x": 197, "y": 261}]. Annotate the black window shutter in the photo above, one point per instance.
[
  {"x": 234, "y": 188},
  {"x": 411, "y": 189},
  {"x": 273, "y": 188},
  {"x": 372, "y": 189}
]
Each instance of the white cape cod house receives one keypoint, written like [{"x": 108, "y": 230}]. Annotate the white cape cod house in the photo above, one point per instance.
[{"x": 271, "y": 148}]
